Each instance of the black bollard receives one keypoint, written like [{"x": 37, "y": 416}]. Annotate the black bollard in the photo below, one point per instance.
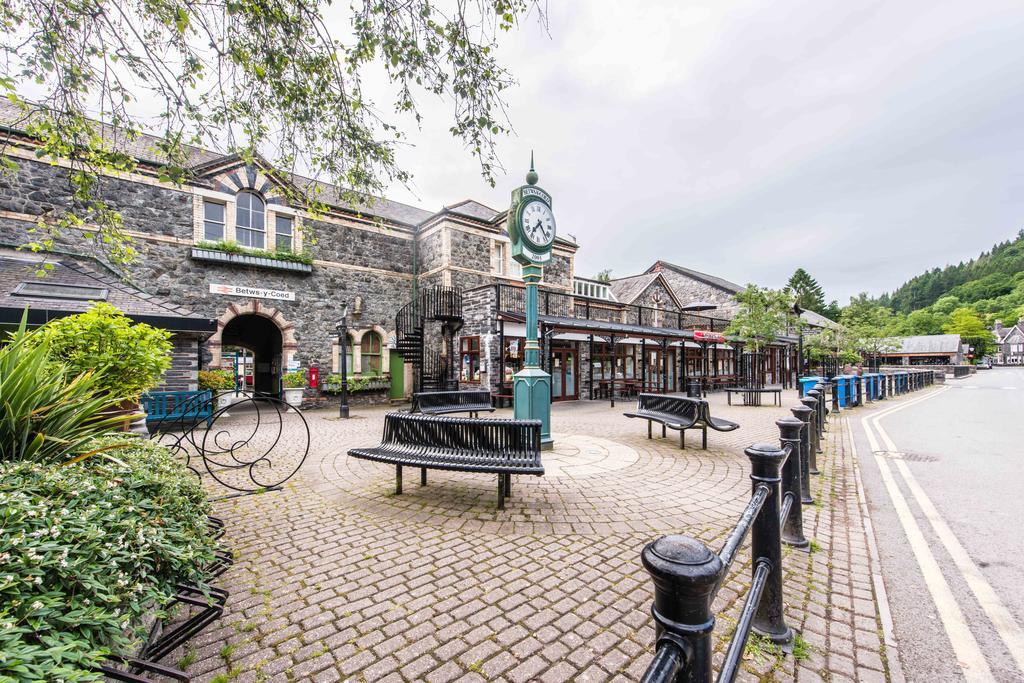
[
  {"x": 860, "y": 390},
  {"x": 793, "y": 524},
  {"x": 881, "y": 387},
  {"x": 835, "y": 395},
  {"x": 804, "y": 414},
  {"x": 813, "y": 441},
  {"x": 816, "y": 395},
  {"x": 686, "y": 574},
  {"x": 766, "y": 541}
]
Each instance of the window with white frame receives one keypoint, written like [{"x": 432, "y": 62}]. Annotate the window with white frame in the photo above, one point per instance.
[
  {"x": 213, "y": 221},
  {"x": 284, "y": 233},
  {"x": 250, "y": 220},
  {"x": 499, "y": 258}
]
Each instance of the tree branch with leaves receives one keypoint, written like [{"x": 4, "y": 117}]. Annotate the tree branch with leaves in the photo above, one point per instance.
[{"x": 276, "y": 78}]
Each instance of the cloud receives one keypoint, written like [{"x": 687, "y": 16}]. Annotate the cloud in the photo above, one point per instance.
[{"x": 864, "y": 143}]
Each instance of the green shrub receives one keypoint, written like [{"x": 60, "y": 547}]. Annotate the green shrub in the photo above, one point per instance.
[
  {"x": 46, "y": 411},
  {"x": 230, "y": 247},
  {"x": 218, "y": 380},
  {"x": 87, "y": 550},
  {"x": 294, "y": 380},
  {"x": 129, "y": 358}
]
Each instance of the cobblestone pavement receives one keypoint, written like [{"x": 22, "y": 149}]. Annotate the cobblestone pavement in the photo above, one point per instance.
[{"x": 337, "y": 578}]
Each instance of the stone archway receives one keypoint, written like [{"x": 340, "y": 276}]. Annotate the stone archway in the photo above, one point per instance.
[{"x": 288, "y": 343}]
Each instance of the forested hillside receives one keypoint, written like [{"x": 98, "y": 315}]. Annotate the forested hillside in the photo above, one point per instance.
[{"x": 992, "y": 284}]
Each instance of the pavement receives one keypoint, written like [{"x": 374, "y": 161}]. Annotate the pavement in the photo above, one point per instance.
[
  {"x": 337, "y": 578},
  {"x": 943, "y": 479}
]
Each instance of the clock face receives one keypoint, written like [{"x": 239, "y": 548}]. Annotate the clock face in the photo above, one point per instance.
[{"x": 538, "y": 223}]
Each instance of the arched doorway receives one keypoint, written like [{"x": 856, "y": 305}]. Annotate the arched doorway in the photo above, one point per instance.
[{"x": 260, "y": 336}]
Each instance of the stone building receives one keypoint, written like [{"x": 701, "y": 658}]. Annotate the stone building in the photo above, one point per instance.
[
  {"x": 228, "y": 245},
  {"x": 926, "y": 349},
  {"x": 1009, "y": 343}
]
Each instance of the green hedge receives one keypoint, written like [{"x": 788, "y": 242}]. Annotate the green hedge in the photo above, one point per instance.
[{"x": 88, "y": 549}]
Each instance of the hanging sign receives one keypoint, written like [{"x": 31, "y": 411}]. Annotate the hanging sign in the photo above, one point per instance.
[
  {"x": 252, "y": 292},
  {"x": 703, "y": 336}
]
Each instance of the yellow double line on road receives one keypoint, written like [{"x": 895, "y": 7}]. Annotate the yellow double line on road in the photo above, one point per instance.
[{"x": 969, "y": 655}]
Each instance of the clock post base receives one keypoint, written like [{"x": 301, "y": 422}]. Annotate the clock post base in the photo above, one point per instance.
[{"x": 532, "y": 401}]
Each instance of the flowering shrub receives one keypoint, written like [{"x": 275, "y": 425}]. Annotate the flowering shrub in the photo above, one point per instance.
[
  {"x": 88, "y": 549},
  {"x": 294, "y": 380}
]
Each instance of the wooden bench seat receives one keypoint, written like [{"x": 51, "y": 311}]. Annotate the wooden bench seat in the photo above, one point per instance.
[{"x": 493, "y": 446}]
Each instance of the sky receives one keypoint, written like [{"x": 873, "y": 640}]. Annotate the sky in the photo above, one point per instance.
[{"x": 865, "y": 142}]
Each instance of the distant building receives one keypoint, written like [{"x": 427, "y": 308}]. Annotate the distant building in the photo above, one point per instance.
[
  {"x": 1009, "y": 343},
  {"x": 926, "y": 349}
]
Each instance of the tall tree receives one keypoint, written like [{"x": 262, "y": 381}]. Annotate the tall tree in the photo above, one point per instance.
[
  {"x": 762, "y": 314},
  {"x": 282, "y": 79},
  {"x": 807, "y": 292},
  {"x": 972, "y": 330}
]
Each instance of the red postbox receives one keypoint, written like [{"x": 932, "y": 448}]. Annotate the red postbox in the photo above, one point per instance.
[{"x": 314, "y": 377}]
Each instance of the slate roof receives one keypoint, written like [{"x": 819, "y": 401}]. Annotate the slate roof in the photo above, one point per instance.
[
  {"x": 474, "y": 209},
  {"x": 927, "y": 343},
  {"x": 627, "y": 289},
  {"x": 818, "y": 320},
  {"x": 714, "y": 280},
  {"x": 144, "y": 149},
  {"x": 17, "y": 267}
]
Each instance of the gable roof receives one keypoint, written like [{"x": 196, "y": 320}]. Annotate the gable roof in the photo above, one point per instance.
[
  {"x": 627, "y": 289},
  {"x": 818, "y": 320},
  {"x": 474, "y": 209},
  {"x": 712, "y": 280},
  {"x": 927, "y": 343}
]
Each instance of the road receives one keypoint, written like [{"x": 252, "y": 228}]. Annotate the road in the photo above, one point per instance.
[{"x": 943, "y": 474}]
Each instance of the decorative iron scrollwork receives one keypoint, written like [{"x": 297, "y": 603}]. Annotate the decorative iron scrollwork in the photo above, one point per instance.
[{"x": 243, "y": 446}]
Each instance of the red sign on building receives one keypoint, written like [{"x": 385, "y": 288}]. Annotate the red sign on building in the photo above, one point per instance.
[{"x": 703, "y": 336}]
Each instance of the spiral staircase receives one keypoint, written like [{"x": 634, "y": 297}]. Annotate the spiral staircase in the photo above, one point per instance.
[{"x": 414, "y": 327}]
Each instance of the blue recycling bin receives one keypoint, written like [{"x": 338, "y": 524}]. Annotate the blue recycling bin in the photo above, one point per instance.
[
  {"x": 903, "y": 378},
  {"x": 872, "y": 385},
  {"x": 807, "y": 383},
  {"x": 844, "y": 388}
]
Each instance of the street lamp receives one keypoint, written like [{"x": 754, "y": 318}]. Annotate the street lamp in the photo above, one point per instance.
[{"x": 342, "y": 329}]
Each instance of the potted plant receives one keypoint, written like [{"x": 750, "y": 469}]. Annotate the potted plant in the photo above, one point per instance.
[
  {"x": 294, "y": 386},
  {"x": 220, "y": 382},
  {"x": 127, "y": 358}
]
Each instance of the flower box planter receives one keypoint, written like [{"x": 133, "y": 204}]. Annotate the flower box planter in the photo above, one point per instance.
[
  {"x": 215, "y": 256},
  {"x": 293, "y": 396}
]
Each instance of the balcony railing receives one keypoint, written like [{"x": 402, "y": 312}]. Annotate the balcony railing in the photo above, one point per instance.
[{"x": 512, "y": 299}]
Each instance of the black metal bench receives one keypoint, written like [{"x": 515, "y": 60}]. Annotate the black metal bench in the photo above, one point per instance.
[
  {"x": 680, "y": 413},
  {"x": 493, "y": 446},
  {"x": 472, "y": 401},
  {"x": 777, "y": 400}
]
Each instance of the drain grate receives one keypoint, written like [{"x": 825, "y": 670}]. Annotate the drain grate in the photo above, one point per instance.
[{"x": 908, "y": 456}]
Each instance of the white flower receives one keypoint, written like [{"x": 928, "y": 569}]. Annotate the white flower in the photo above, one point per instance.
[
  {"x": 37, "y": 605},
  {"x": 38, "y": 580},
  {"x": 9, "y": 625}
]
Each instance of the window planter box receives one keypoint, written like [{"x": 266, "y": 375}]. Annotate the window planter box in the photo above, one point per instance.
[
  {"x": 215, "y": 256},
  {"x": 375, "y": 384}
]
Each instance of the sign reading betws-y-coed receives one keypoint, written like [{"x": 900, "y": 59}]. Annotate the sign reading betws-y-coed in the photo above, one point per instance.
[{"x": 252, "y": 292}]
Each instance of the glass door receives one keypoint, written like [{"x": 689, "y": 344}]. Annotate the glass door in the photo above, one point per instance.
[{"x": 564, "y": 384}]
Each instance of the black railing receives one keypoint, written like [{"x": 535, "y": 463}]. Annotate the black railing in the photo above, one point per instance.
[
  {"x": 512, "y": 299},
  {"x": 687, "y": 574}
]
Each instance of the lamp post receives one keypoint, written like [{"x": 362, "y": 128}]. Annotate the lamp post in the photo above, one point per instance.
[{"x": 343, "y": 343}]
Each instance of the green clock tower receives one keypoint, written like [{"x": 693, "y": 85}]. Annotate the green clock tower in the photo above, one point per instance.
[{"x": 531, "y": 227}]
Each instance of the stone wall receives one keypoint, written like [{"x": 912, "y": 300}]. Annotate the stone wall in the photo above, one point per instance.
[
  {"x": 688, "y": 289},
  {"x": 182, "y": 375},
  {"x": 558, "y": 272},
  {"x": 381, "y": 278}
]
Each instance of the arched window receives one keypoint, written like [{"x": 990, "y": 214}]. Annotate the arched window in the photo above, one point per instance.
[
  {"x": 369, "y": 349},
  {"x": 250, "y": 220}
]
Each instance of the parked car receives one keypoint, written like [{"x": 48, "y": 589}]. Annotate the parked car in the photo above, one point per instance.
[{"x": 984, "y": 365}]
